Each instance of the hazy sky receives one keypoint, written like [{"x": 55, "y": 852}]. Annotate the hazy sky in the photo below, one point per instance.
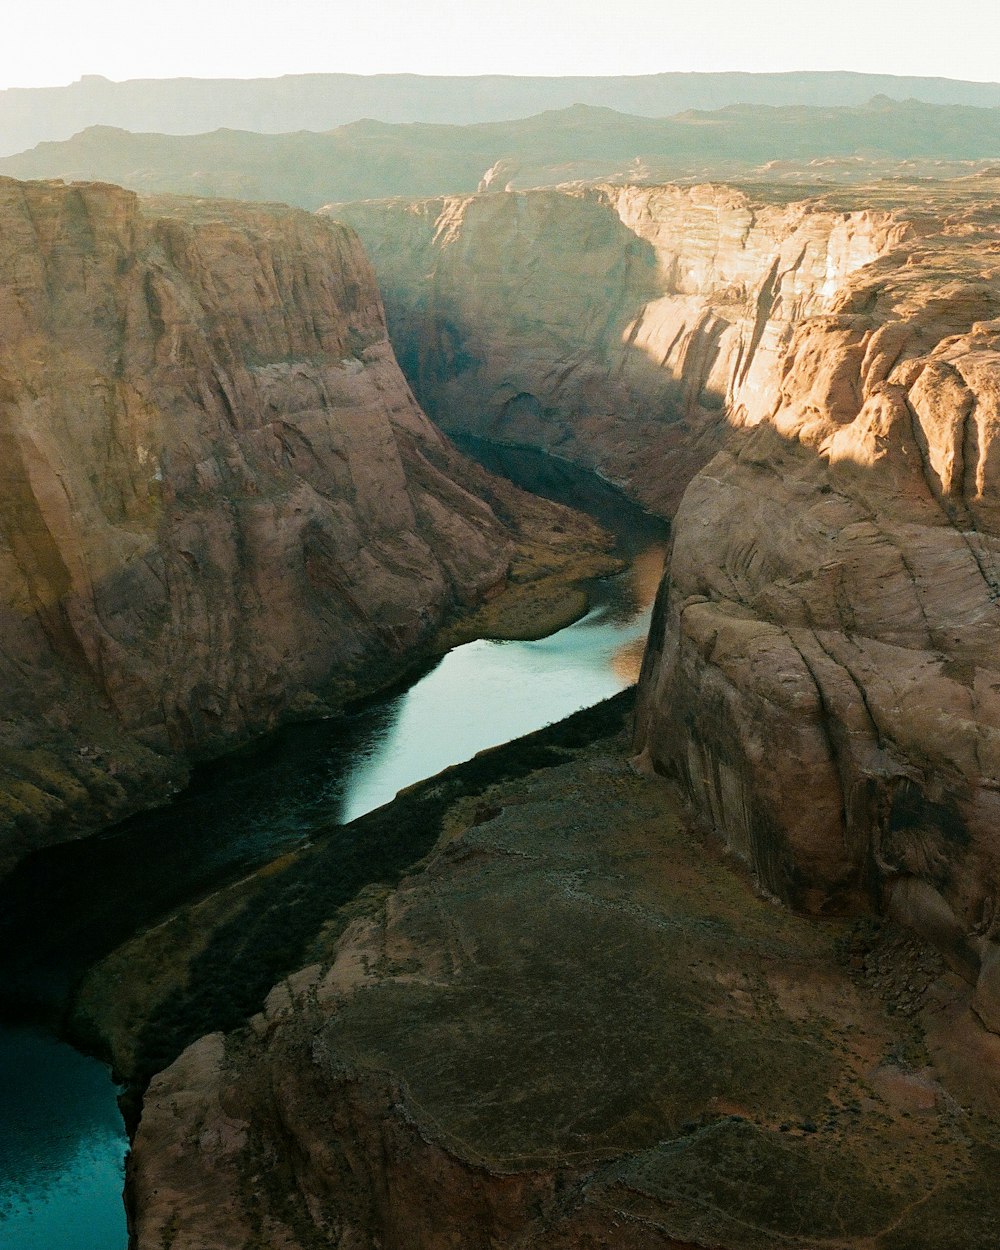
[{"x": 51, "y": 42}]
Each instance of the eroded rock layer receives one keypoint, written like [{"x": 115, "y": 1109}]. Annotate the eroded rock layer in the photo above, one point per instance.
[
  {"x": 615, "y": 325},
  {"x": 578, "y": 1027},
  {"x": 822, "y": 673},
  {"x": 220, "y": 502}
]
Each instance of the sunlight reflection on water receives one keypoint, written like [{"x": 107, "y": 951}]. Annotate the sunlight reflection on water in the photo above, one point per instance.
[{"x": 486, "y": 693}]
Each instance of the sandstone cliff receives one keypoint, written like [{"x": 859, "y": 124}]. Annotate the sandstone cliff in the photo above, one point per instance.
[
  {"x": 221, "y": 504},
  {"x": 822, "y": 672},
  {"x": 577, "y": 1027},
  {"x": 615, "y": 325}
]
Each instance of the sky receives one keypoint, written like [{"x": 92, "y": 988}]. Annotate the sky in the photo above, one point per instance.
[{"x": 54, "y": 42}]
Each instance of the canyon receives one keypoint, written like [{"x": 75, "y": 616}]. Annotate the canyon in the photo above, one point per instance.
[
  {"x": 717, "y": 970},
  {"x": 576, "y": 1022},
  {"x": 222, "y": 506},
  {"x": 829, "y": 613}
]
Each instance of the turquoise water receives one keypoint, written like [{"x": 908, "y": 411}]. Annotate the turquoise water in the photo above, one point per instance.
[
  {"x": 62, "y": 1141},
  {"x": 61, "y": 1148}
]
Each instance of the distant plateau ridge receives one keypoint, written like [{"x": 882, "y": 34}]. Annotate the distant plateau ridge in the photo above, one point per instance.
[{"x": 323, "y": 101}]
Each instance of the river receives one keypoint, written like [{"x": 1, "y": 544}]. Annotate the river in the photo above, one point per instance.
[{"x": 62, "y": 1141}]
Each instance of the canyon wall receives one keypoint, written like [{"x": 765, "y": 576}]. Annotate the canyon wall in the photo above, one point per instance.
[
  {"x": 618, "y": 326},
  {"x": 221, "y": 504},
  {"x": 821, "y": 683},
  {"x": 820, "y": 676}
]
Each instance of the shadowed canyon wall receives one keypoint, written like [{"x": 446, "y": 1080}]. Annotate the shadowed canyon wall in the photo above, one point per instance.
[
  {"x": 821, "y": 675},
  {"x": 617, "y": 326},
  {"x": 221, "y": 504},
  {"x": 575, "y": 1025}
]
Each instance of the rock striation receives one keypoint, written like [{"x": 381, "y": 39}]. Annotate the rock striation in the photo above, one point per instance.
[
  {"x": 545, "y": 1037},
  {"x": 821, "y": 674},
  {"x": 221, "y": 504},
  {"x": 615, "y": 325}
]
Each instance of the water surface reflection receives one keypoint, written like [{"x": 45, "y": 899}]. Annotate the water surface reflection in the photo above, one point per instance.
[
  {"x": 486, "y": 693},
  {"x": 61, "y": 1138}
]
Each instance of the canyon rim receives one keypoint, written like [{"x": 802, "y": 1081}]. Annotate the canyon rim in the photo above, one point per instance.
[{"x": 714, "y": 964}]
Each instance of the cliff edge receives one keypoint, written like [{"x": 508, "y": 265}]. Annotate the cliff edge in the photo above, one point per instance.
[
  {"x": 221, "y": 503},
  {"x": 821, "y": 674},
  {"x": 578, "y": 1027}
]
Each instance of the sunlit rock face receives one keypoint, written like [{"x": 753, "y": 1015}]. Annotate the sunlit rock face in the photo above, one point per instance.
[
  {"x": 221, "y": 503},
  {"x": 619, "y": 326},
  {"x": 820, "y": 680},
  {"x": 821, "y": 675},
  {"x": 822, "y": 672}
]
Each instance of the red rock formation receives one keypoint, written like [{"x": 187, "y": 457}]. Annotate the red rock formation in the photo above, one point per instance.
[
  {"x": 822, "y": 667},
  {"x": 221, "y": 503},
  {"x": 613, "y": 325},
  {"x": 822, "y": 672}
]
